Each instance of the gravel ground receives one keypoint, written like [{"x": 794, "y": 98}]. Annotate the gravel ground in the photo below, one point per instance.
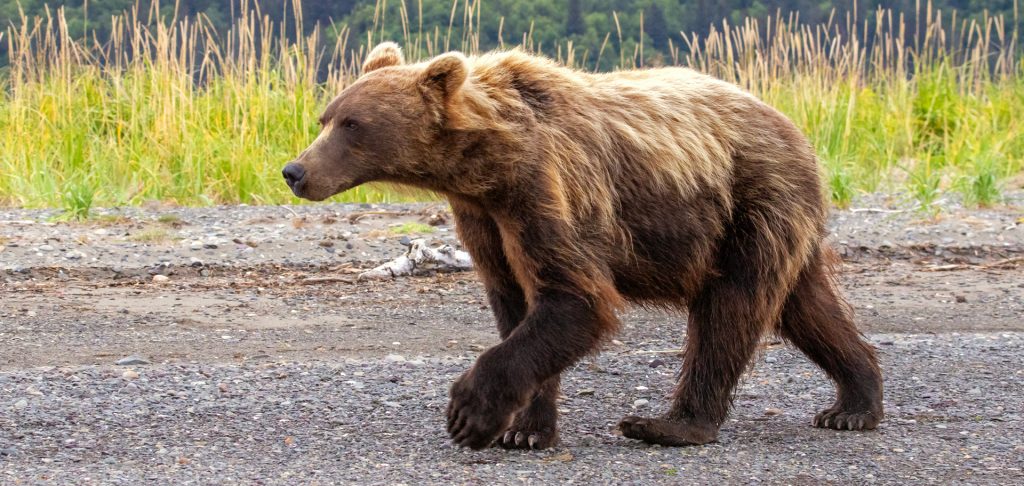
[
  {"x": 245, "y": 366},
  {"x": 126, "y": 239},
  {"x": 954, "y": 414}
]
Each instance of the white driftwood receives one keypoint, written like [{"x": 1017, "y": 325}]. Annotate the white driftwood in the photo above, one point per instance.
[{"x": 418, "y": 255}]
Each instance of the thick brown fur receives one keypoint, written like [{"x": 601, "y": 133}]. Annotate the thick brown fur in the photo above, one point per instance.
[{"x": 576, "y": 192}]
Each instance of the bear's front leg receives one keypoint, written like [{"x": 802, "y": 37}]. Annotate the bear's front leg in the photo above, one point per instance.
[
  {"x": 560, "y": 328},
  {"x": 536, "y": 426},
  {"x": 485, "y": 399}
]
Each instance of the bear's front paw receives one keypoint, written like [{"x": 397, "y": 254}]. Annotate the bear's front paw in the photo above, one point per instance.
[
  {"x": 536, "y": 426},
  {"x": 529, "y": 439},
  {"x": 475, "y": 419}
]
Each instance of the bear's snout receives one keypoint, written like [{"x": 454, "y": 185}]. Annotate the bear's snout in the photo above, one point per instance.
[{"x": 295, "y": 175}]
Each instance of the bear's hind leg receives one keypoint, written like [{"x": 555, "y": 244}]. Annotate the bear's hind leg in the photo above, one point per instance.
[
  {"x": 738, "y": 302},
  {"x": 725, "y": 326},
  {"x": 817, "y": 321}
]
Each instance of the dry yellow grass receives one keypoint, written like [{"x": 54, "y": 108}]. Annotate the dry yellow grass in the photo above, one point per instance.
[{"x": 170, "y": 110}]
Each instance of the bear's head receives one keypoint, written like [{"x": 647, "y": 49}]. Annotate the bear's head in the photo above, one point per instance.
[{"x": 384, "y": 127}]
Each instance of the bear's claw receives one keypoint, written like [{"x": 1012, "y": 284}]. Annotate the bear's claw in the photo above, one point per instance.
[
  {"x": 837, "y": 419},
  {"x": 534, "y": 440}
]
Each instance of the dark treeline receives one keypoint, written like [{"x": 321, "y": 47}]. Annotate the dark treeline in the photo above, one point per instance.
[{"x": 550, "y": 22}]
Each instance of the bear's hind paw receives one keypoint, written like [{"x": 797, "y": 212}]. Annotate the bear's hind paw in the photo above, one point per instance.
[
  {"x": 837, "y": 419},
  {"x": 667, "y": 432}
]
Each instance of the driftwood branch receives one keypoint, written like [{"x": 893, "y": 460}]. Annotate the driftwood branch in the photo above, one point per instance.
[
  {"x": 323, "y": 280},
  {"x": 1006, "y": 263},
  {"x": 419, "y": 255}
]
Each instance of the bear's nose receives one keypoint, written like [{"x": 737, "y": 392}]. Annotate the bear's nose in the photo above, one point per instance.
[{"x": 293, "y": 173}]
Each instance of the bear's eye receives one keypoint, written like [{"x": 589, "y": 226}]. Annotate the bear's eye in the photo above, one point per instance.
[{"x": 350, "y": 125}]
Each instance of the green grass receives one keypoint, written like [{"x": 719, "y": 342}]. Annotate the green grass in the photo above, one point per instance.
[
  {"x": 151, "y": 236},
  {"x": 169, "y": 219},
  {"x": 191, "y": 123},
  {"x": 77, "y": 198},
  {"x": 412, "y": 229}
]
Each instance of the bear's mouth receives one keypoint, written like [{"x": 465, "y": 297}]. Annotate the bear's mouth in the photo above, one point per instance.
[
  {"x": 297, "y": 187},
  {"x": 302, "y": 189},
  {"x": 348, "y": 185}
]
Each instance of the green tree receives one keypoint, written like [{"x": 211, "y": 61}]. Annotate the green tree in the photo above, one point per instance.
[{"x": 574, "y": 24}]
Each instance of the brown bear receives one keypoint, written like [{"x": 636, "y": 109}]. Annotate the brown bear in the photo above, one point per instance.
[{"x": 575, "y": 192}]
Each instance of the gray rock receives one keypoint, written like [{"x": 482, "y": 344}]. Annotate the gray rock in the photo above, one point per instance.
[{"x": 132, "y": 360}]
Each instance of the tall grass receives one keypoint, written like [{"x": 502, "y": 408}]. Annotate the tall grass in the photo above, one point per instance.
[
  {"x": 171, "y": 110},
  {"x": 918, "y": 112}
]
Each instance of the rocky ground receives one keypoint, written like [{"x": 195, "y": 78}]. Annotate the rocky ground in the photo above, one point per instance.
[{"x": 234, "y": 345}]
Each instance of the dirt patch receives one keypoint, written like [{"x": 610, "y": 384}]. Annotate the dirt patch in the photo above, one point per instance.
[{"x": 270, "y": 314}]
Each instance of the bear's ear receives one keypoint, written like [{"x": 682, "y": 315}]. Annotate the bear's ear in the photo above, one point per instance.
[
  {"x": 445, "y": 74},
  {"x": 386, "y": 54}
]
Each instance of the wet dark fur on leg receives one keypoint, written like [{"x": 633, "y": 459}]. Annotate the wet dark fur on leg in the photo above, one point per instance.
[{"x": 817, "y": 321}]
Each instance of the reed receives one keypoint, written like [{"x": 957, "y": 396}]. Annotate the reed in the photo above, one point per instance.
[
  {"x": 923, "y": 115},
  {"x": 172, "y": 110}
]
